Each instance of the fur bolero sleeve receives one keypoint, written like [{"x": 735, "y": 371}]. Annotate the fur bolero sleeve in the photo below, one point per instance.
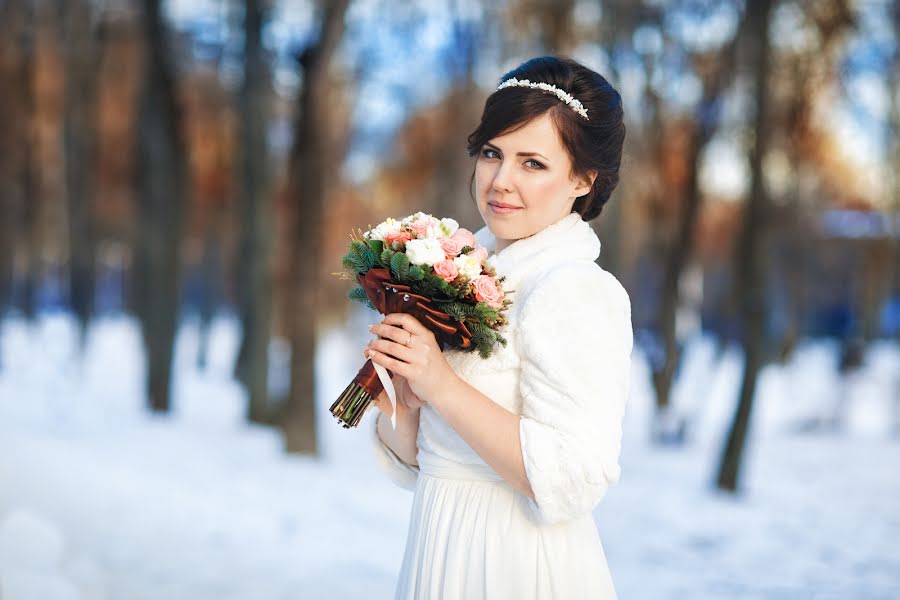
[
  {"x": 402, "y": 474},
  {"x": 575, "y": 340}
]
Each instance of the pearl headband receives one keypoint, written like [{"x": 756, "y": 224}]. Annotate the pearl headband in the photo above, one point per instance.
[{"x": 567, "y": 98}]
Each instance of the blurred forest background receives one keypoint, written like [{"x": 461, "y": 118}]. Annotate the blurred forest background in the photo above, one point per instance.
[
  {"x": 167, "y": 160},
  {"x": 173, "y": 163}
]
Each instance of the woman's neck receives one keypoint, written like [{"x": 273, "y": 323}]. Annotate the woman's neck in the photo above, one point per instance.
[{"x": 501, "y": 244}]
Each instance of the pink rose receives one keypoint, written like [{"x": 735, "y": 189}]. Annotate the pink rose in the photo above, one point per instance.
[
  {"x": 451, "y": 246},
  {"x": 446, "y": 270},
  {"x": 420, "y": 227},
  {"x": 396, "y": 236},
  {"x": 464, "y": 237},
  {"x": 480, "y": 253},
  {"x": 486, "y": 291}
]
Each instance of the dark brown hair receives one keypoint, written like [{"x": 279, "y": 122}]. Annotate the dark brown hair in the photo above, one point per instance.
[{"x": 592, "y": 145}]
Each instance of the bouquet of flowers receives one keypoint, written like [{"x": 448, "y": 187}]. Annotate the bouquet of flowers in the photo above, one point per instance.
[{"x": 434, "y": 270}]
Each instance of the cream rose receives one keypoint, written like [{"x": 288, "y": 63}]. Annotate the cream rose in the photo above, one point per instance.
[
  {"x": 447, "y": 270},
  {"x": 464, "y": 237},
  {"x": 468, "y": 265},
  {"x": 395, "y": 238},
  {"x": 425, "y": 228},
  {"x": 383, "y": 229},
  {"x": 425, "y": 252},
  {"x": 486, "y": 291},
  {"x": 480, "y": 253},
  {"x": 419, "y": 216},
  {"x": 452, "y": 247}
]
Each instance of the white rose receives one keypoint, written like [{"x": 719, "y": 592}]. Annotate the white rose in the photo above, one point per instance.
[
  {"x": 417, "y": 217},
  {"x": 468, "y": 265},
  {"x": 424, "y": 252},
  {"x": 448, "y": 227},
  {"x": 387, "y": 226}
]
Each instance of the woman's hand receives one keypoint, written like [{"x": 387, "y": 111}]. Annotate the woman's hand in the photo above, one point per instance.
[
  {"x": 407, "y": 348},
  {"x": 407, "y": 401}
]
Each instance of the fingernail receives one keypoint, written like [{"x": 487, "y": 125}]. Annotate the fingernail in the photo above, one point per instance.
[{"x": 371, "y": 327}]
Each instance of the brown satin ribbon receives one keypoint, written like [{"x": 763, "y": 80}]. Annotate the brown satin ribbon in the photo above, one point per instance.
[{"x": 388, "y": 296}]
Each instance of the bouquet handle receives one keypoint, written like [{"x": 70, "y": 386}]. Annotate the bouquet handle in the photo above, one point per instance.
[{"x": 387, "y": 297}]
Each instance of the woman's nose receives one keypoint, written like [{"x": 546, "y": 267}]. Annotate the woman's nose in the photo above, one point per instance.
[{"x": 503, "y": 178}]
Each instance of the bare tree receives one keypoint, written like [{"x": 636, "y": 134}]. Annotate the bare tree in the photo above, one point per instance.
[
  {"x": 750, "y": 258},
  {"x": 894, "y": 208},
  {"x": 162, "y": 196},
  {"x": 78, "y": 131},
  {"x": 254, "y": 271},
  {"x": 453, "y": 165},
  {"x": 715, "y": 70},
  {"x": 27, "y": 170},
  {"x": 11, "y": 22},
  {"x": 306, "y": 191}
]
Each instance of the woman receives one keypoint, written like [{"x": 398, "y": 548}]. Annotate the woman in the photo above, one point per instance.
[{"x": 509, "y": 455}]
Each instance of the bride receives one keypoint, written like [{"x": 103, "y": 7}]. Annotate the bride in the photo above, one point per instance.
[{"x": 508, "y": 456}]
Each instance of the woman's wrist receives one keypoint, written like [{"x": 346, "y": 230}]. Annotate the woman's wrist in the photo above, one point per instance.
[
  {"x": 446, "y": 392},
  {"x": 402, "y": 440}
]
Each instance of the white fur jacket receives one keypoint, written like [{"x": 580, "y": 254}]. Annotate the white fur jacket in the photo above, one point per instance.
[{"x": 565, "y": 370}]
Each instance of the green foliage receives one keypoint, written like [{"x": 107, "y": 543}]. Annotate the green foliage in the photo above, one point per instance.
[
  {"x": 358, "y": 294},
  {"x": 460, "y": 310},
  {"x": 486, "y": 313},
  {"x": 377, "y": 247},
  {"x": 360, "y": 258},
  {"x": 352, "y": 262},
  {"x": 416, "y": 273},
  {"x": 484, "y": 338},
  {"x": 400, "y": 266}
]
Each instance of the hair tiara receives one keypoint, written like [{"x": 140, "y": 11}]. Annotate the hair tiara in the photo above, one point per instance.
[{"x": 567, "y": 98}]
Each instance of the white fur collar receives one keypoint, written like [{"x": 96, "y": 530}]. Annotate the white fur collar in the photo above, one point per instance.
[{"x": 568, "y": 239}]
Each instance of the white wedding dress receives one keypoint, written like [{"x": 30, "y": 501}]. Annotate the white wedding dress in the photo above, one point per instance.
[{"x": 565, "y": 370}]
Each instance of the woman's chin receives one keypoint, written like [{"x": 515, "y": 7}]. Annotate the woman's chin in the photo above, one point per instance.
[{"x": 501, "y": 232}]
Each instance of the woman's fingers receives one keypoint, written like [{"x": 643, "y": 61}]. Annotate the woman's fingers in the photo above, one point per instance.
[
  {"x": 407, "y": 322},
  {"x": 394, "y": 333},
  {"x": 410, "y": 400},
  {"x": 393, "y": 349}
]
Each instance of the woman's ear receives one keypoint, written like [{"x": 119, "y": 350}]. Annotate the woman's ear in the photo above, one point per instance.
[{"x": 585, "y": 183}]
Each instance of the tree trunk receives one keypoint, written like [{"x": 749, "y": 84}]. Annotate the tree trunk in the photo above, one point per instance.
[
  {"x": 30, "y": 201},
  {"x": 706, "y": 122},
  {"x": 306, "y": 192},
  {"x": 893, "y": 212},
  {"x": 161, "y": 188},
  {"x": 750, "y": 265},
  {"x": 78, "y": 130},
  {"x": 254, "y": 273},
  {"x": 11, "y": 143}
]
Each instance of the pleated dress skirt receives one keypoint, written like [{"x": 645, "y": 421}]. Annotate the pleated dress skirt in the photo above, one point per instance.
[{"x": 472, "y": 536}]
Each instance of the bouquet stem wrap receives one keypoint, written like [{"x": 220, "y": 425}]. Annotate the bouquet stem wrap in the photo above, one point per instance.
[{"x": 388, "y": 296}]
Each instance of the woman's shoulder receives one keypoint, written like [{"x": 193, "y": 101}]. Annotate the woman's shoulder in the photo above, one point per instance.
[
  {"x": 576, "y": 304},
  {"x": 574, "y": 284}
]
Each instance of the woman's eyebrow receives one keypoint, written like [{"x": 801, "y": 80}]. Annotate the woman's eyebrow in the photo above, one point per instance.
[{"x": 518, "y": 153}]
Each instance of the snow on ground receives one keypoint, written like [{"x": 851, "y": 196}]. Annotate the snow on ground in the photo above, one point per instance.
[{"x": 99, "y": 499}]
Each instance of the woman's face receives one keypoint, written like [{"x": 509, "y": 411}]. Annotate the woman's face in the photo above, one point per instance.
[{"x": 528, "y": 170}]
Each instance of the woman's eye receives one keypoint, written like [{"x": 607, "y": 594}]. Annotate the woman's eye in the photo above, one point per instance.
[{"x": 533, "y": 164}]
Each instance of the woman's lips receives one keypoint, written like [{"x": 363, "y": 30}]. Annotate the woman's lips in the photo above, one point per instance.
[{"x": 503, "y": 209}]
